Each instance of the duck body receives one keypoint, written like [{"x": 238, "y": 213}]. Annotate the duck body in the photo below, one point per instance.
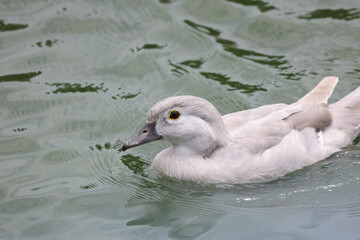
[{"x": 256, "y": 145}]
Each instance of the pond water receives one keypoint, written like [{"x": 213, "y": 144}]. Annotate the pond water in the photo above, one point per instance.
[{"x": 77, "y": 79}]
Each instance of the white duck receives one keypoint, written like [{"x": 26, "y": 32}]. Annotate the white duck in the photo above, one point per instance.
[{"x": 255, "y": 145}]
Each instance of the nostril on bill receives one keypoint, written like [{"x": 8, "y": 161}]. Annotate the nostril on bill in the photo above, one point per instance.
[{"x": 124, "y": 147}]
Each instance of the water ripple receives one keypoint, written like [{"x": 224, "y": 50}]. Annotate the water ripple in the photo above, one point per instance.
[
  {"x": 76, "y": 87},
  {"x": 19, "y": 77},
  {"x": 261, "y": 5},
  {"x": 177, "y": 69},
  {"x": 276, "y": 61},
  {"x": 338, "y": 14},
  {"x": 47, "y": 43},
  {"x": 149, "y": 46},
  {"x": 5, "y": 27},
  {"x": 264, "y": 59},
  {"x": 25, "y": 204},
  {"x": 193, "y": 63},
  {"x": 224, "y": 80},
  {"x": 204, "y": 29}
]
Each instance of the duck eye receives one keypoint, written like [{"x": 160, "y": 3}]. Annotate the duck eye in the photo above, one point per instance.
[{"x": 173, "y": 115}]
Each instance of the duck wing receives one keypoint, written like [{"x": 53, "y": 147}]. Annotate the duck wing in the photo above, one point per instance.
[
  {"x": 261, "y": 134},
  {"x": 235, "y": 121}
]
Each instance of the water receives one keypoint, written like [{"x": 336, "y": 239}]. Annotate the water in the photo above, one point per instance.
[{"x": 77, "y": 78}]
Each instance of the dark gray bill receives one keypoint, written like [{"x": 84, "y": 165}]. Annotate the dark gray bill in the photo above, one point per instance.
[{"x": 147, "y": 134}]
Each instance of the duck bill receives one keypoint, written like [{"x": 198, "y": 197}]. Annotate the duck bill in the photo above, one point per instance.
[{"x": 147, "y": 134}]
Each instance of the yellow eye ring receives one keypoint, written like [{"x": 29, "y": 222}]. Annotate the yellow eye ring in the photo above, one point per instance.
[{"x": 173, "y": 115}]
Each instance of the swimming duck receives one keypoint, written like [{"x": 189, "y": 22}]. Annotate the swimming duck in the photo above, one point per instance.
[{"x": 251, "y": 146}]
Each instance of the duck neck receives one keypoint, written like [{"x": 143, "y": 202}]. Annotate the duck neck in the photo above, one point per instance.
[{"x": 203, "y": 144}]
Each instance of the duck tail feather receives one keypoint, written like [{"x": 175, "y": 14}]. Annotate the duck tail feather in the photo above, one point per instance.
[
  {"x": 346, "y": 115},
  {"x": 322, "y": 91}
]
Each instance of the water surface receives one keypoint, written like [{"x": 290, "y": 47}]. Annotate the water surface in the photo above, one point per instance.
[{"x": 76, "y": 81}]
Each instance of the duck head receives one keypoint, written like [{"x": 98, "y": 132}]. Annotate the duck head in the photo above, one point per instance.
[{"x": 191, "y": 124}]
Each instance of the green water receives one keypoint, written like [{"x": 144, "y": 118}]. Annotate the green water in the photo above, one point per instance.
[{"x": 77, "y": 79}]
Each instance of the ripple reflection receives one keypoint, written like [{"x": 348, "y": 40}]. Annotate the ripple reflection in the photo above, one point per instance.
[
  {"x": 19, "y": 77},
  {"x": 261, "y": 5},
  {"x": 4, "y": 27},
  {"x": 76, "y": 87},
  {"x": 276, "y": 61},
  {"x": 224, "y": 80},
  {"x": 338, "y": 14}
]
